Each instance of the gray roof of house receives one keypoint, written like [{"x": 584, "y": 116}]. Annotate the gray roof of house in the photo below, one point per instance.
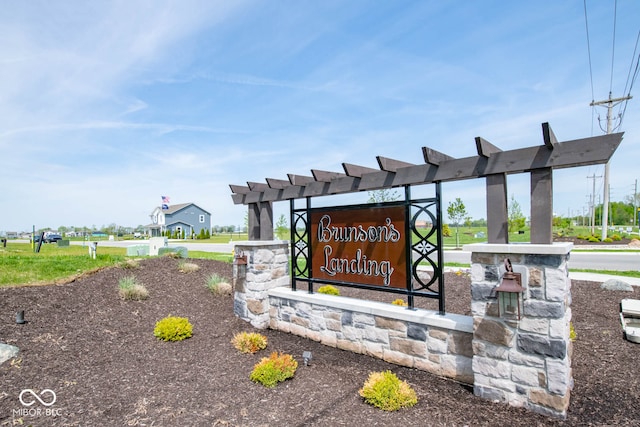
[{"x": 179, "y": 206}]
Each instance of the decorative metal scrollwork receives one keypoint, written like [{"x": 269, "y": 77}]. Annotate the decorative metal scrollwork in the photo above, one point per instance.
[
  {"x": 425, "y": 245},
  {"x": 300, "y": 245}
]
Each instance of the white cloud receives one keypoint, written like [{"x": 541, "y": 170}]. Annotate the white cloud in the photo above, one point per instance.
[{"x": 125, "y": 102}]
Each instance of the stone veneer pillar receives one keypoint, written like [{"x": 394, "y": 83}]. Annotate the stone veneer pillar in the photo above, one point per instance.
[
  {"x": 266, "y": 267},
  {"x": 524, "y": 362}
]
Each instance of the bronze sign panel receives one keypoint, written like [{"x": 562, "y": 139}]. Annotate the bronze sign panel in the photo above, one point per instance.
[{"x": 363, "y": 245}]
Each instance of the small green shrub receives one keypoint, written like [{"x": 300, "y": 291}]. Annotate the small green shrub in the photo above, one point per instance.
[
  {"x": 274, "y": 369},
  {"x": 188, "y": 267},
  {"x": 218, "y": 285},
  {"x": 130, "y": 289},
  {"x": 328, "y": 290},
  {"x": 446, "y": 231},
  {"x": 173, "y": 328},
  {"x": 249, "y": 342},
  {"x": 616, "y": 238},
  {"x": 399, "y": 302},
  {"x": 384, "y": 390},
  {"x": 592, "y": 239},
  {"x": 572, "y": 332}
]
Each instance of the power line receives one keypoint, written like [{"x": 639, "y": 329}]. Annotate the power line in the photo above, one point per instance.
[
  {"x": 586, "y": 24},
  {"x": 635, "y": 74},
  {"x": 631, "y": 78},
  {"x": 609, "y": 103},
  {"x": 613, "y": 44}
]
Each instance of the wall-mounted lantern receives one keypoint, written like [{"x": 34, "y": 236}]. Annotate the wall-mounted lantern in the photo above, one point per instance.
[
  {"x": 510, "y": 293},
  {"x": 239, "y": 271}
]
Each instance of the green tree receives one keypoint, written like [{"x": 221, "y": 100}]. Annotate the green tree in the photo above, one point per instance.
[
  {"x": 516, "y": 218},
  {"x": 383, "y": 195},
  {"x": 457, "y": 212},
  {"x": 281, "y": 227},
  {"x": 621, "y": 213}
]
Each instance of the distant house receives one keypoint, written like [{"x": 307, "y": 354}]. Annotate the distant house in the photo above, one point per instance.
[{"x": 185, "y": 217}]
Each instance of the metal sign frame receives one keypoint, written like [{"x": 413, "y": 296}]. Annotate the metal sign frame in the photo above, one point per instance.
[{"x": 420, "y": 247}]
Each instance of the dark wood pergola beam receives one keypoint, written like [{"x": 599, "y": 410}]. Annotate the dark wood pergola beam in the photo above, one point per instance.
[
  {"x": 490, "y": 162},
  {"x": 434, "y": 157},
  {"x": 356, "y": 170},
  {"x": 278, "y": 183},
  {"x": 391, "y": 165},
  {"x": 579, "y": 152}
]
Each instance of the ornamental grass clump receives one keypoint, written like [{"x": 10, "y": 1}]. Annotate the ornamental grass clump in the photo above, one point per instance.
[
  {"x": 173, "y": 328},
  {"x": 130, "y": 264},
  {"x": 249, "y": 342},
  {"x": 274, "y": 369},
  {"x": 328, "y": 290},
  {"x": 188, "y": 267},
  {"x": 218, "y": 285},
  {"x": 384, "y": 390},
  {"x": 130, "y": 289}
]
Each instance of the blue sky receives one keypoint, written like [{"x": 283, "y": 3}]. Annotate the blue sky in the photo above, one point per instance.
[{"x": 106, "y": 106}]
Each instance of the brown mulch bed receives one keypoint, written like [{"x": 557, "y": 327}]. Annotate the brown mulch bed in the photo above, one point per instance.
[{"x": 98, "y": 354}]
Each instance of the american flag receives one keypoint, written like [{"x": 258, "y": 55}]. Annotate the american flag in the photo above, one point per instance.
[{"x": 165, "y": 202}]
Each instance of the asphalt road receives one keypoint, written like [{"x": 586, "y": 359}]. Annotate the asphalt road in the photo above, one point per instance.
[{"x": 593, "y": 260}]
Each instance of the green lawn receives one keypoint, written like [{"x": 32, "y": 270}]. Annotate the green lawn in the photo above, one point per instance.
[{"x": 19, "y": 264}]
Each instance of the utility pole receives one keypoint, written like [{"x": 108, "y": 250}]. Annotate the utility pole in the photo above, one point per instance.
[
  {"x": 592, "y": 203},
  {"x": 635, "y": 204},
  {"x": 609, "y": 103}
]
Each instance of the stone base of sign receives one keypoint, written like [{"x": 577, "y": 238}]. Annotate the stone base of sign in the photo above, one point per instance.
[
  {"x": 525, "y": 362},
  {"x": 420, "y": 339},
  {"x": 266, "y": 267}
]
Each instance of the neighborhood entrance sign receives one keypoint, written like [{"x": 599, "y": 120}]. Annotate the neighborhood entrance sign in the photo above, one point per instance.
[{"x": 363, "y": 245}]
